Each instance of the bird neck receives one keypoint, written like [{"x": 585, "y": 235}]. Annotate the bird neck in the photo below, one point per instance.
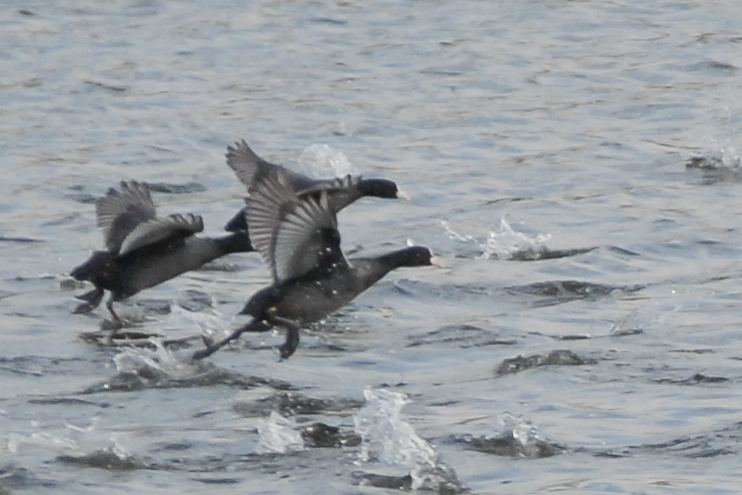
[
  {"x": 236, "y": 242},
  {"x": 398, "y": 259}
]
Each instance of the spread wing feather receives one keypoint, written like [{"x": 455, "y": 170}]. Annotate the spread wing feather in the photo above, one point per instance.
[
  {"x": 265, "y": 207},
  {"x": 306, "y": 238},
  {"x": 341, "y": 191},
  {"x": 158, "y": 230},
  {"x": 119, "y": 213},
  {"x": 293, "y": 234},
  {"x": 251, "y": 169}
]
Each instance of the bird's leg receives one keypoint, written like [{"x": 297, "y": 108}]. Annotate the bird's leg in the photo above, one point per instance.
[
  {"x": 292, "y": 335},
  {"x": 211, "y": 346},
  {"x": 117, "y": 323},
  {"x": 92, "y": 300}
]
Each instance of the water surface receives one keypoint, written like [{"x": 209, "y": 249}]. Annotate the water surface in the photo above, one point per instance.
[{"x": 574, "y": 164}]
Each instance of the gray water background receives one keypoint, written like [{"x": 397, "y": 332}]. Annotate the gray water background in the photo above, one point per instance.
[{"x": 573, "y": 119}]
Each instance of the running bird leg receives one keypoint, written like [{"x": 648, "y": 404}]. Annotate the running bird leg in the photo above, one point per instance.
[
  {"x": 117, "y": 323},
  {"x": 211, "y": 346}
]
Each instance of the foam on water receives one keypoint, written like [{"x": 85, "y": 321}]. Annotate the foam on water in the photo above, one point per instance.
[{"x": 277, "y": 435}]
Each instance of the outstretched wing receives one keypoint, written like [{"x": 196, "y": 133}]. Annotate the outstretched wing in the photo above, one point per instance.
[
  {"x": 119, "y": 213},
  {"x": 306, "y": 238},
  {"x": 251, "y": 169},
  {"x": 341, "y": 191},
  {"x": 263, "y": 213},
  {"x": 161, "y": 230},
  {"x": 293, "y": 234}
]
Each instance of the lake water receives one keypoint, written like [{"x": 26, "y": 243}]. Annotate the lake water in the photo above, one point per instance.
[{"x": 573, "y": 163}]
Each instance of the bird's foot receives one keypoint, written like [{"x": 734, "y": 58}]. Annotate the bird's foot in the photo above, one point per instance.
[
  {"x": 287, "y": 349},
  {"x": 83, "y": 309},
  {"x": 92, "y": 300}
]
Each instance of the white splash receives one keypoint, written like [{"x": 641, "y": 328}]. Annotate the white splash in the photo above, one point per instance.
[
  {"x": 118, "y": 450},
  {"x": 730, "y": 157},
  {"x": 723, "y": 157},
  {"x": 628, "y": 325},
  {"x": 277, "y": 435},
  {"x": 322, "y": 161},
  {"x": 39, "y": 439},
  {"x": 522, "y": 431},
  {"x": 133, "y": 360},
  {"x": 78, "y": 439},
  {"x": 386, "y": 437},
  {"x": 452, "y": 234},
  {"x": 504, "y": 242},
  {"x": 211, "y": 322}
]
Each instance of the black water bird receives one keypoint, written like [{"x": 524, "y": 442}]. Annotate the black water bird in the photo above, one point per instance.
[
  {"x": 251, "y": 169},
  {"x": 297, "y": 237},
  {"x": 143, "y": 250}
]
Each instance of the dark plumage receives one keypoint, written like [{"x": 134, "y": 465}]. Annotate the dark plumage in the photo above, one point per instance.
[
  {"x": 251, "y": 169},
  {"x": 297, "y": 237},
  {"x": 143, "y": 250}
]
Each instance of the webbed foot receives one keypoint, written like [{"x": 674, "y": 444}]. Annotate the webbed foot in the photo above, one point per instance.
[
  {"x": 292, "y": 342},
  {"x": 92, "y": 300},
  {"x": 292, "y": 336}
]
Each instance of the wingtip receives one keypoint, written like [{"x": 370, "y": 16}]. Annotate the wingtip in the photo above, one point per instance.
[{"x": 240, "y": 150}]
